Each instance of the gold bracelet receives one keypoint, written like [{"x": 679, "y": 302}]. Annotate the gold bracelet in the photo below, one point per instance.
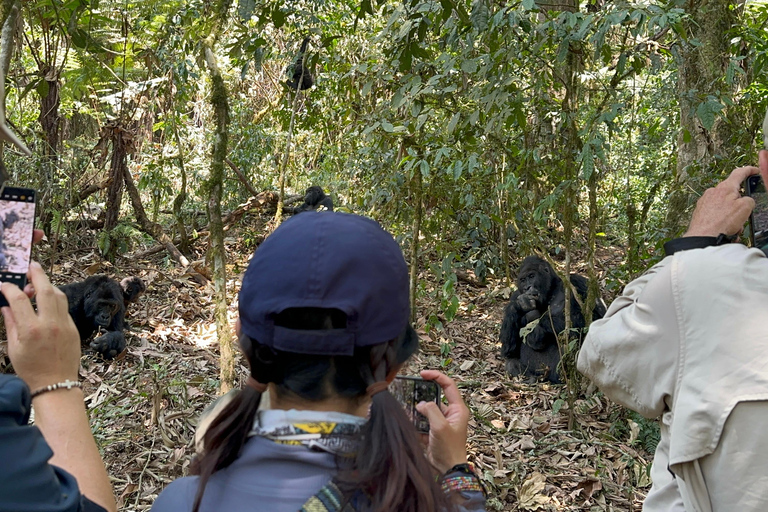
[{"x": 67, "y": 384}]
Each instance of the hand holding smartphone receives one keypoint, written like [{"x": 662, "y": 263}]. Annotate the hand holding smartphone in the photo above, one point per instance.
[
  {"x": 17, "y": 222},
  {"x": 409, "y": 391}
]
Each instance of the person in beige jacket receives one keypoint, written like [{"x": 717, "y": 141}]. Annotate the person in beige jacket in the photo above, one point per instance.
[{"x": 688, "y": 341}]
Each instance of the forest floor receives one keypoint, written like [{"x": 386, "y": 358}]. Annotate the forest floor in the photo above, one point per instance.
[{"x": 144, "y": 406}]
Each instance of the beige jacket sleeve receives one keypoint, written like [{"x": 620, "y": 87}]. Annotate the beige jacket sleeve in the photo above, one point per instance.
[{"x": 631, "y": 354}]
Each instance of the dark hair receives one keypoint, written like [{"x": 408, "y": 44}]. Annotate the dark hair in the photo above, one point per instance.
[{"x": 389, "y": 465}]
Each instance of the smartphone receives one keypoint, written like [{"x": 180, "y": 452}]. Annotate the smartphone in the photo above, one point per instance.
[
  {"x": 409, "y": 391},
  {"x": 758, "y": 221},
  {"x": 17, "y": 221}
]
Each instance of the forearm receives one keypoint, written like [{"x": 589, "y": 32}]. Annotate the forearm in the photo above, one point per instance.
[{"x": 61, "y": 417}]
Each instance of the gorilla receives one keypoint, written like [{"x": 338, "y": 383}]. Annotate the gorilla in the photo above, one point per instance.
[
  {"x": 301, "y": 77},
  {"x": 9, "y": 220},
  {"x": 99, "y": 303},
  {"x": 313, "y": 199},
  {"x": 540, "y": 296}
]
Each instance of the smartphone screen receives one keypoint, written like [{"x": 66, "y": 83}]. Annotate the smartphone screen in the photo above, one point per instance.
[
  {"x": 758, "y": 221},
  {"x": 409, "y": 391},
  {"x": 17, "y": 220}
]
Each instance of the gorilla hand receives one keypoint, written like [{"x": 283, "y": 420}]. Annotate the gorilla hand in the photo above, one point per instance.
[
  {"x": 527, "y": 301},
  {"x": 531, "y": 316},
  {"x": 110, "y": 344}
]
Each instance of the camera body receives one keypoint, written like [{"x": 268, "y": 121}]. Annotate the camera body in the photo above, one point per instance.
[
  {"x": 409, "y": 391},
  {"x": 758, "y": 220}
]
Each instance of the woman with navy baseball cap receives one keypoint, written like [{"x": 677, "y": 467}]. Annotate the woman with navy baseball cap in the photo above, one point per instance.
[{"x": 324, "y": 311}]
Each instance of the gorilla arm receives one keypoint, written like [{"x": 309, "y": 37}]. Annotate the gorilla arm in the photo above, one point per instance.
[{"x": 510, "y": 330}]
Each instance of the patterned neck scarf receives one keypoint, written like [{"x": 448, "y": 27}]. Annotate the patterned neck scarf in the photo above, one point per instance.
[{"x": 325, "y": 431}]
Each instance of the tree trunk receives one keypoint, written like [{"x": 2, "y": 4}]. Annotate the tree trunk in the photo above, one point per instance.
[
  {"x": 181, "y": 197},
  {"x": 214, "y": 185},
  {"x": 49, "y": 118},
  {"x": 115, "y": 133},
  {"x": 418, "y": 192},
  {"x": 702, "y": 63},
  {"x": 287, "y": 154}
]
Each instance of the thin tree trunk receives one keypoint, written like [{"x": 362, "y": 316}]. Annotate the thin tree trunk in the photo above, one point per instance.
[
  {"x": 287, "y": 154},
  {"x": 215, "y": 185},
  {"x": 418, "y": 191},
  {"x": 181, "y": 197}
]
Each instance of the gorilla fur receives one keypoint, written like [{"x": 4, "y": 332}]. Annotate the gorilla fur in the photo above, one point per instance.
[
  {"x": 540, "y": 296},
  {"x": 99, "y": 303},
  {"x": 313, "y": 199},
  {"x": 301, "y": 76}
]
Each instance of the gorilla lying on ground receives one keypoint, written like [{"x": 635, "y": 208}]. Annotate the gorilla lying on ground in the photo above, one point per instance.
[
  {"x": 99, "y": 303},
  {"x": 540, "y": 296},
  {"x": 313, "y": 199}
]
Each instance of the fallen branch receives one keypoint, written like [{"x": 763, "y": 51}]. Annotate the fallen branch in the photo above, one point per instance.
[
  {"x": 242, "y": 177},
  {"x": 155, "y": 230}
]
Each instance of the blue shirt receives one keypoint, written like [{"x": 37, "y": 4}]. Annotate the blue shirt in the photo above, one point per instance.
[{"x": 28, "y": 483}]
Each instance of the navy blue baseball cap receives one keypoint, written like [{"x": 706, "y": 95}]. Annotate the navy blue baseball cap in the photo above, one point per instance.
[{"x": 327, "y": 260}]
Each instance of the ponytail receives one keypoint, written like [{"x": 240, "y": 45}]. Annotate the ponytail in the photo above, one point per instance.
[
  {"x": 391, "y": 465},
  {"x": 225, "y": 438}
]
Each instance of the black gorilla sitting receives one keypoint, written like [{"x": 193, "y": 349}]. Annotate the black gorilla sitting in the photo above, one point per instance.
[
  {"x": 313, "y": 199},
  {"x": 540, "y": 295},
  {"x": 99, "y": 303}
]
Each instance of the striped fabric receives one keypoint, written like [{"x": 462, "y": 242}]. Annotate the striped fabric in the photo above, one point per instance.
[{"x": 330, "y": 499}]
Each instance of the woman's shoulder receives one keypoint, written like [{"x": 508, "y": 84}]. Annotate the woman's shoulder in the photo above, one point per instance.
[{"x": 177, "y": 496}]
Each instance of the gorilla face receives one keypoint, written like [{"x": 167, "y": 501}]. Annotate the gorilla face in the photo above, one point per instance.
[
  {"x": 102, "y": 301},
  {"x": 534, "y": 283}
]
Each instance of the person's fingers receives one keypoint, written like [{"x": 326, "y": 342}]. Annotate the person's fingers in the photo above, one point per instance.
[
  {"x": 10, "y": 323},
  {"x": 738, "y": 176},
  {"x": 37, "y": 235},
  {"x": 745, "y": 205},
  {"x": 49, "y": 298},
  {"x": 450, "y": 390},
  {"x": 19, "y": 303},
  {"x": 29, "y": 290},
  {"x": 433, "y": 414}
]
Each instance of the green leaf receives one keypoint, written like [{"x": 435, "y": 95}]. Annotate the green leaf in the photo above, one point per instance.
[
  {"x": 278, "y": 18},
  {"x": 79, "y": 38},
  {"x": 529, "y": 5},
  {"x": 245, "y": 9},
  {"x": 469, "y": 66},
  {"x": 454, "y": 121},
  {"x": 43, "y": 88},
  {"x": 707, "y": 112},
  {"x": 387, "y": 126}
]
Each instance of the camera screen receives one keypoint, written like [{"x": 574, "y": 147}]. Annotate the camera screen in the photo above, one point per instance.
[
  {"x": 409, "y": 391},
  {"x": 759, "y": 219},
  {"x": 17, "y": 218}
]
